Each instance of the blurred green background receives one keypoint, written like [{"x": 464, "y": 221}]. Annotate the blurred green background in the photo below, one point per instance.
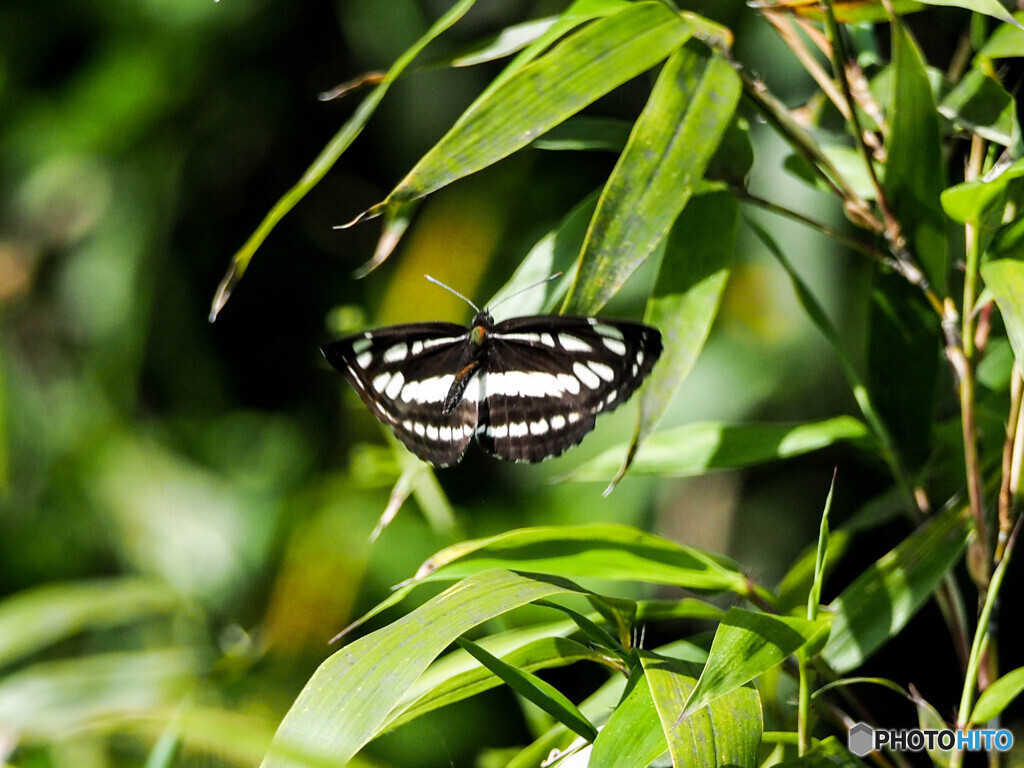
[{"x": 212, "y": 488}]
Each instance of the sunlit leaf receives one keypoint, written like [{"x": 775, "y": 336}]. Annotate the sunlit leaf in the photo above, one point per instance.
[
  {"x": 596, "y": 551},
  {"x": 998, "y": 696},
  {"x": 698, "y": 448},
  {"x": 827, "y": 753},
  {"x": 1005, "y": 278},
  {"x": 553, "y": 253},
  {"x": 727, "y": 732},
  {"x": 693, "y": 275},
  {"x": 350, "y": 696},
  {"x": 879, "y": 603},
  {"x": 534, "y": 690},
  {"x": 539, "y": 96},
  {"x": 672, "y": 143},
  {"x": 746, "y": 645},
  {"x": 457, "y": 675},
  {"x": 633, "y": 736},
  {"x": 973, "y": 201},
  {"x": 1006, "y": 42},
  {"x": 980, "y": 104}
]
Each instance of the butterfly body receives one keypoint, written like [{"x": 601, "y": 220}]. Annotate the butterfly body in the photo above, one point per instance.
[{"x": 528, "y": 388}]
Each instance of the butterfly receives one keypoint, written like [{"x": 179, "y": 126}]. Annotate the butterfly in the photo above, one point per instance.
[{"x": 528, "y": 388}]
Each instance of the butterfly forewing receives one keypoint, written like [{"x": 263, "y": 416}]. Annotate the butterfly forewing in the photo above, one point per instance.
[{"x": 403, "y": 374}]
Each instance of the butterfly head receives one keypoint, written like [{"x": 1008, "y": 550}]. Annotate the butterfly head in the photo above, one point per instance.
[{"x": 482, "y": 325}]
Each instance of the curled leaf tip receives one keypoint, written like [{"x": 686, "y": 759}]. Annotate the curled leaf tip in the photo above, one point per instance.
[
  {"x": 227, "y": 285},
  {"x": 367, "y": 78}
]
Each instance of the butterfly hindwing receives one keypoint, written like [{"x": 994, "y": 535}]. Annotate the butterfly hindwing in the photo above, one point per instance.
[
  {"x": 402, "y": 373},
  {"x": 548, "y": 377}
]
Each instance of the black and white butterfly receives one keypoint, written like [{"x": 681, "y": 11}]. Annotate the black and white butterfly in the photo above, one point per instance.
[{"x": 529, "y": 388}]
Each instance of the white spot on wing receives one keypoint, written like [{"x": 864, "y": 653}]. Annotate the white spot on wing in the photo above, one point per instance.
[
  {"x": 602, "y": 370},
  {"x": 539, "y": 427},
  {"x": 419, "y": 429},
  {"x": 380, "y": 381},
  {"x": 557, "y": 422},
  {"x": 574, "y": 417},
  {"x": 523, "y": 384},
  {"x": 362, "y": 345},
  {"x": 364, "y": 359},
  {"x": 417, "y": 348},
  {"x": 610, "y": 331},
  {"x": 395, "y": 385},
  {"x": 432, "y": 432},
  {"x": 397, "y": 353},
  {"x": 518, "y": 430},
  {"x": 573, "y": 344},
  {"x": 614, "y": 345},
  {"x": 431, "y": 343},
  {"x": 586, "y": 375},
  {"x": 500, "y": 431},
  {"x": 569, "y": 383},
  {"x": 547, "y": 340},
  {"x": 527, "y": 338},
  {"x": 445, "y": 433},
  {"x": 432, "y": 390}
]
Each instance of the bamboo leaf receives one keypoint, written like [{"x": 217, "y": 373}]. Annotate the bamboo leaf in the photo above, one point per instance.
[
  {"x": 533, "y": 689},
  {"x": 349, "y": 697},
  {"x": 633, "y": 736},
  {"x": 597, "y": 551},
  {"x": 879, "y": 603},
  {"x": 693, "y": 275},
  {"x": 725, "y": 733},
  {"x": 695, "y": 449},
  {"x": 998, "y": 696},
  {"x": 538, "y": 96},
  {"x": 673, "y": 141},
  {"x": 1005, "y": 278},
  {"x": 746, "y": 645}
]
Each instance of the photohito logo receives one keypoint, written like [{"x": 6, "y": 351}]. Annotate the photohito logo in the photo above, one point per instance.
[{"x": 862, "y": 738}]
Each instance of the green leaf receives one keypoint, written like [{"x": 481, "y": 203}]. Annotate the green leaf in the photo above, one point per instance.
[
  {"x": 537, "y": 97},
  {"x": 633, "y": 736},
  {"x": 746, "y": 645},
  {"x": 998, "y": 696},
  {"x": 1005, "y": 278},
  {"x": 327, "y": 158},
  {"x": 698, "y": 448},
  {"x": 693, "y": 275},
  {"x": 32, "y": 620},
  {"x": 725, "y": 733},
  {"x": 596, "y": 551},
  {"x": 915, "y": 175},
  {"x": 457, "y": 675},
  {"x": 795, "y": 587},
  {"x": 349, "y": 697},
  {"x": 535, "y": 690},
  {"x": 511, "y": 39},
  {"x": 977, "y": 201},
  {"x": 582, "y": 133},
  {"x": 553, "y": 253},
  {"x": 821, "y": 557},
  {"x": 980, "y": 104},
  {"x": 929, "y": 719},
  {"x": 672, "y": 142},
  {"x": 991, "y": 8},
  {"x": 879, "y": 603},
  {"x": 558, "y": 738},
  {"x": 1006, "y": 42}
]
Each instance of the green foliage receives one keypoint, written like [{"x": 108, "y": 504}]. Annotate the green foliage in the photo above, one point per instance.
[{"x": 234, "y": 537}]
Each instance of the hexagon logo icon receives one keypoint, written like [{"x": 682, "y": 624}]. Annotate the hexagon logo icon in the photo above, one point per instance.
[{"x": 860, "y": 739}]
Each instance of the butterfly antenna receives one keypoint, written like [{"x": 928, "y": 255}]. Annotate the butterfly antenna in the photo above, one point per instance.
[
  {"x": 527, "y": 288},
  {"x": 435, "y": 281}
]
